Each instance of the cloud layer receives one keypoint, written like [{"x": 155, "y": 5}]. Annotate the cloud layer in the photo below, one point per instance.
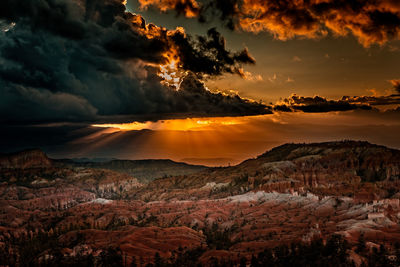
[
  {"x": 370, "y": 21},
  {"x": 396, "y": 84},
  {"x": 250, "y": 137},
  {"x": 90, "y": 60},
  {"x": 318, "y": 104}
]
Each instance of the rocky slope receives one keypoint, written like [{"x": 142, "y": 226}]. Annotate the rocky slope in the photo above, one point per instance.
[
  {"x": 347, "y": 168},
  {"x": 25, "y": 159}
]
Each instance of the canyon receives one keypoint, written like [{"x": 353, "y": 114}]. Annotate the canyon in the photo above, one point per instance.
[{"x": 291, "y": 197}]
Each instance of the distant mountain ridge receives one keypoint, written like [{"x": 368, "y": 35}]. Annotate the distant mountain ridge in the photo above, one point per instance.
[
  {"x": 309, "y": 163},
  {"x": 144, "y": 170},
  {"x": 320, "y": 147},
  {"x": 82, "y": 160}
]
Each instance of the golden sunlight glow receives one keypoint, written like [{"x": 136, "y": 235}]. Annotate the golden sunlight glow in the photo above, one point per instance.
[
  {"x": 188, "y": 124},
  {"x": 219, "y": 141},
  {"x": 170, "y": 72}
]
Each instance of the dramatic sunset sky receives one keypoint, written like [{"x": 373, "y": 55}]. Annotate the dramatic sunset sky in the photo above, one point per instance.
[{"x": 209, "y": 82}]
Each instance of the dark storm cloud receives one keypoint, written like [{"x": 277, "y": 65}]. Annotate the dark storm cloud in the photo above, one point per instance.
[
  {"x": 282, "y": 108},
  {"x": 208, "y": 55},
  {"x": 370, "y": 21},
  {"x": 193, "y": 96},
  {"x": 107, "y": 25},
  {"x": 47, "y": 137},
  {"x": 76, "y": 60}
]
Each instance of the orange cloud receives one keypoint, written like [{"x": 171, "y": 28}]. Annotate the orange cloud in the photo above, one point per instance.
[
  {"x": 371, "y": 22},
  {"x": 188, "y": 8},
  {"x": 396, "y": 84}
]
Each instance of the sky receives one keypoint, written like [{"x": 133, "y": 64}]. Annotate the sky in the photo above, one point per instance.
[
  {"x": 330, "y": 66},
  {"x": 205, "y": 82}
]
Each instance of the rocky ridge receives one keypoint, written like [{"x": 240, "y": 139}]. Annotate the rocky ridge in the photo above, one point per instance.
[{"x": 25, "y": 159}]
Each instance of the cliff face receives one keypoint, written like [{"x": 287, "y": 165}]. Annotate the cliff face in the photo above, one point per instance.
[
  {"x": 328, "y": 165},
  {"x": 25, "y": 159}
]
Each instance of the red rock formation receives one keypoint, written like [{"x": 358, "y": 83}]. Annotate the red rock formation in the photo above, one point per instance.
[
  {"x": 230, "y": 212},
  {"x": 25, "y": 159}
]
